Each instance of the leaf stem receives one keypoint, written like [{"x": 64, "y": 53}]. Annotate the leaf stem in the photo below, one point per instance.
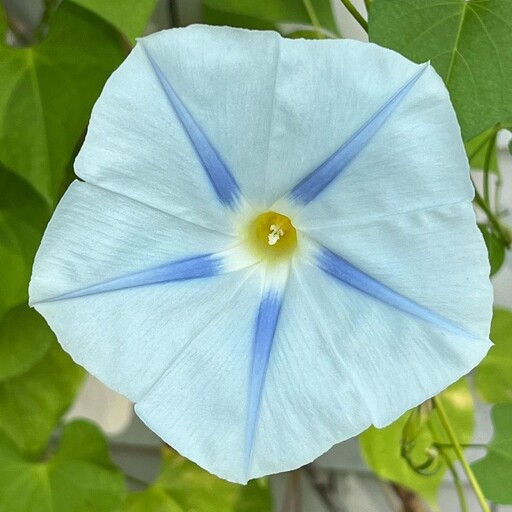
[
  {"x": 462, "y": 445},
  {"x": 458, "y": 486},
  {"x": 453, "y": 470},
  {"x": 355, "y": 14},
  {"x": 502, "y": 232},
  {"x": 367, "y": 4},
  {"x": 460, "y": 454},
  {"x": 487, "y": 163},
  {"x": 314, "y": 18}
]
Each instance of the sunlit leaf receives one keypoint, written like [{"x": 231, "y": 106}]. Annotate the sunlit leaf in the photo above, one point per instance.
[
  {"x": 182, "y": 486},
  {"x": 469, "y": 44},
  {"x": 494, "y": 374},
  {"x": 494, "y": 471},
  {"x": 47, "y": 92},
  {"x": 381, "y": 447},
  {"x": 80, "y": 477},
  {"x": 129, "y": 16},
  {"x": 269, "y": 14},
  {"x": 32, "y": 403}
]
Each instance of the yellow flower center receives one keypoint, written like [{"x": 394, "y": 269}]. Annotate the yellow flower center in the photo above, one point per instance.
[{"x": 272, "y": 236}]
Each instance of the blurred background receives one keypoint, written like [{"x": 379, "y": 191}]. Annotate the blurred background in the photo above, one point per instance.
[{"x": 54, "y": 59}]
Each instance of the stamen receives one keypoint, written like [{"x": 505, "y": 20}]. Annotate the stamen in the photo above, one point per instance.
[
  {"x": 275, "y": 233},
  {"x": 272, "y": 236}
]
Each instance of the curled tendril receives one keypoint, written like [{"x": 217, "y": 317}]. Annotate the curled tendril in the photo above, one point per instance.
[{"x": 415, "y": 424}]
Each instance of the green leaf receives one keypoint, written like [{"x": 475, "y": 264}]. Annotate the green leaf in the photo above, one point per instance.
[
  {"x": 493, "y": 374},
  {"x": 494, "y": 471},
  {"x": 495, "y": 248},
  {"x": 223, "y": 18},
  {"x": 129, "y": 16},
  {"x": 182, "y": 486},
  {"x": 80, "y": 477},
  {"x": 479, "y": 144},
  {"x": 31, "y": 404},
  {"x": 254, "y": 497},
  {"x": 269, "y": 14},
  {"x": 381, "y": 448},
  {"x": 23, "y": 215},
  {"x": 24, "y": 339},
  {"x": 303, "y": 34},
  {"x": 47, "y": 92},
  {"x": 469, "y": 44}
]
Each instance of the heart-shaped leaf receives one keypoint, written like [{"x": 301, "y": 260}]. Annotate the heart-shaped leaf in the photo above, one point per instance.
[
  {"x": 80, "y": 477},
  {"x": 468, "y": 42}
]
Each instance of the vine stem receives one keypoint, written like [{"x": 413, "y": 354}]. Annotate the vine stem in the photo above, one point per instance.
[
  {"x": 502, "y": 232},
  {"x": 458, "y": 486},
  {"x": 460, "y": 454},
  {"x": 487, "y": 164},
  {"x": 356, "y": 14},
  {"x": 453, "y": 470}
]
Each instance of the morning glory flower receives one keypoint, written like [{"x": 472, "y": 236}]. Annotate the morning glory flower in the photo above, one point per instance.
[{"x": 272, "y": 246}]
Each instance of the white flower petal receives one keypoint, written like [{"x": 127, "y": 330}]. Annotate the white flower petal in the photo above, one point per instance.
[
  {"x": 351, "y": 359},
  {"x": 416, "y": 160},
  {"x": 434, "y": 257},
  {"x": 200, "y": 404},
  {"x": 96, "y": 235}
]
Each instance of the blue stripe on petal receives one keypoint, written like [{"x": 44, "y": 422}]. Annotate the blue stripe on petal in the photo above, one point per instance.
[
  {"x": 222, "y": 180},
  {"x": 266, "y": 325},
  {"x": 347, "y": 273},
  {"x": 206, "y": 265},
  {"x": 319, "y": 179}
]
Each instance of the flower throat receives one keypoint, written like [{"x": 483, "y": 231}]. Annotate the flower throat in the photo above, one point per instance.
[{"x": 272, "y": 236}]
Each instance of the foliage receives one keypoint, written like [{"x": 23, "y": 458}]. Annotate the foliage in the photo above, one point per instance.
[
  {"x": 79, "y": 477},
  {"x": 46, "y": 95},
  {"x": 58, "y": 90},
  {"x": 398, "y": 451},
  {"x": 23, "y": 216},
  {"x": 494, "y": 246},
  {"x": 271, "y": 14},
  {"x": 478, "y": 162},
  {"x": 31, "y": 404},
  {"x": 130, "y": 17},
  {"x": 183, "y": 486},
  {"x": 469, "y": 44},
  {"x": 494, "y": 375},
  {"x": 494, "y": 471}
]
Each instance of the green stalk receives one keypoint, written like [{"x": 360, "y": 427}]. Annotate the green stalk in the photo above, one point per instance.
[
  {"x": 460, "y": 454},
  {"x": 458, "y": 484},
  {"x": 455, "y": 475},
  {"x": 502, "y": 232},
  {"x": 356, "y": 14},
  {"x": 487, "y": 163},
  {"x": 479, "y": 446}
]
